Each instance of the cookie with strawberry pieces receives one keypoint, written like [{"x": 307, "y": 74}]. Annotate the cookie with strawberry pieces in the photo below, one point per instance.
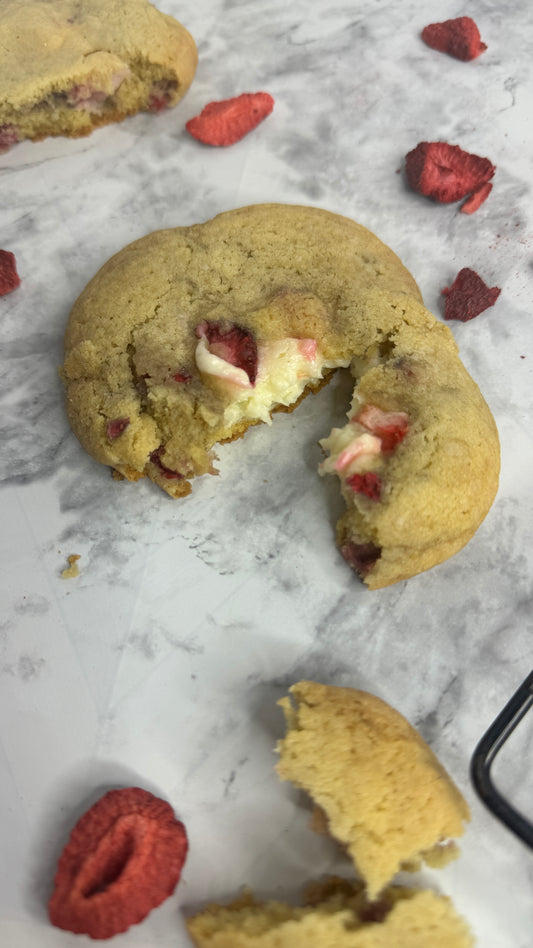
[
  {"x": 68, "y": 67},
  {"x": 188, "y": 336}
]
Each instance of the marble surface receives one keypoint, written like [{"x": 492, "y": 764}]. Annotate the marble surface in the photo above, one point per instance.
[{"x": 161, "y": 664}]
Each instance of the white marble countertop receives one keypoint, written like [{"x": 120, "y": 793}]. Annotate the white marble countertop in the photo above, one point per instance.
[{"x": 160, "y": 665}]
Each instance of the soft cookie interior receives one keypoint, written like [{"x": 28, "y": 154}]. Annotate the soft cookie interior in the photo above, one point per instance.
[
  {"x": 188, "y": 336},
  {"x": 337, "y": 913},
  {"x": 384, "y": 794}
]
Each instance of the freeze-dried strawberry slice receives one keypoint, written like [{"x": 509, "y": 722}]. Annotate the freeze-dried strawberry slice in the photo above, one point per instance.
[
  {"x": 115, "y": 427},
  {"x": 468, "y": 296},
  {"x": 445, "y": 172},
  {"x": 123, "y": 858},
  {"x": 368, "y": 484},
  {"x": 9, "y": 278},
  {"x": 390, "y": 426},
  {"x": 459, "y": 38},
  {"x": 360, "y": 556},
  {"x": 226, "y": 122},
  {"x": 476, "y": 199},
  {"x": 167, "y": 472},
  {"x": 233, "y": 344}
]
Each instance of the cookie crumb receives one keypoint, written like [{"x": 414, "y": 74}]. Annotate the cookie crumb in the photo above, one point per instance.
[{"x": 72, "y": 569}]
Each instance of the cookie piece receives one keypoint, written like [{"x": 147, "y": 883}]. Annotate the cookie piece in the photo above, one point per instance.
[
  {"x": 69, "y": 66},
  {"x": 383, "y": 792},
  {"x": 188, "y": 336},
  {"x": 338, "y": 914}
]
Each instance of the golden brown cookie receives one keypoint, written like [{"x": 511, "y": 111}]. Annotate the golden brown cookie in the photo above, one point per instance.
[
  {"x": 68, "y": 66},
  {"x": 384, "y": 794},
  {"x": 188, "y": 336},
  {"x": 338, "y": 916}
]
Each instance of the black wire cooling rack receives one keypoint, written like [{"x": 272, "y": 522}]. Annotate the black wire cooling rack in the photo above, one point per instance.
[{"x": 485, "y": 752}]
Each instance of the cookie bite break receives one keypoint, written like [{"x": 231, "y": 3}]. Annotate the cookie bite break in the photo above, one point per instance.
[
  {"x": 336, "y": 914},
  {"x": 188, "y": 336},
  {"x": 381, "y": 790},
  {"x": 68, "y": 67}
]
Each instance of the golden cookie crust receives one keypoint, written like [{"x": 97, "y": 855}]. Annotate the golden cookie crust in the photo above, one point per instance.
[
  {"x": 384, "y": 793},
  {"x": 69, "y": 66},
  {"x": 337, "y": 916},
  {"x": 283, "y": 271}
]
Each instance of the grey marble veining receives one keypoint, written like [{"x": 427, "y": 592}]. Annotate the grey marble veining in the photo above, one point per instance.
[{"x": 161, "y": 664}]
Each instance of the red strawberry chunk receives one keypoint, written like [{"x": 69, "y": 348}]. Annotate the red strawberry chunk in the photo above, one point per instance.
[
  {"x": 368, "y": 484},
  {"x": 9, "y": 278},
  {"x": 183, "y": 376},
  {"x": 115, "y": 427},
  {"x": 468, "y": 296},
  {"x": 123, "y": 858},
  {"x": 390, "y": 426},
  {"x": 445, "y": 172},
  {"x": 170, "y": 475},
  {"x": 360, "y": 556},
  {"x": 459, "y": 38},
  {"x": 233, "y": 344},
  {"x": 476, "y": 199},
  {"x": 226, "y": 122}
]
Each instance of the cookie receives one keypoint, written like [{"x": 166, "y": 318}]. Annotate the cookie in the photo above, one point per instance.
[
  {"x": 69, "y": 66},
  {"x": 384, "y": 794},
  {"x": 188, "y": 336},
  {"x": 337, "y": 914}
]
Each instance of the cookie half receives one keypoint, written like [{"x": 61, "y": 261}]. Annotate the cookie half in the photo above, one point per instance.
[
  {"x": 337, "y": 914},
  {"x": 382, "y": 791},
  {"x": 188, "y": 336},
  {"x": 69, "y": 66}
]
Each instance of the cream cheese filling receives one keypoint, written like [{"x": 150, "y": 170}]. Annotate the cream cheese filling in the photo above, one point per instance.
[{"x": 285, "y": 368}]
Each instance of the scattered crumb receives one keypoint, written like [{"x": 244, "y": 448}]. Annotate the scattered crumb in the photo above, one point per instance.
[{"x": 72, "y": 569}]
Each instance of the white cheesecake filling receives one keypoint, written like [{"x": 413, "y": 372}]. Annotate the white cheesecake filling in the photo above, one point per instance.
[
  {"x": 285, "y": 368},
  {"x": 351, "y": 449}
]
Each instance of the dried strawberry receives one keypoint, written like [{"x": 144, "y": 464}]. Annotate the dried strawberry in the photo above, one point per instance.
[
  {"x": 123, "y": 858},
  {"x": 170, "y": 475},
  {"x": 390, "y": 426},
  {"x": 360, "y": 556},
  {"x": 459, "y": 38},
  {"x": 368, "y": 484},
  {"x": 115, "y": 427},
  {"x": 9, "y": 278},
  {"x": 233, "y": 344},
  {"x": 226, "y": 122},
  {"x": 476, "y": 199},
  {"x": 445, "y": 172},
  {"x": 468, "y": 296},
  {"x": 183, "y": 376}
]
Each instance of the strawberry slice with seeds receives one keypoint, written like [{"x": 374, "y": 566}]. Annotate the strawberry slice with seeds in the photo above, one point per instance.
[
  {"x": 123, "y": 858},
  {"x": 445, "y": 172},
  {"x": 468, "y": 296},
  {"x": 459, "y": 38},
  {"x": 226, "y": 122},
  {"x": 233, "y": 344},
  {"x": 368, "y": 484},
  {"x": 9, "y": 278}
]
